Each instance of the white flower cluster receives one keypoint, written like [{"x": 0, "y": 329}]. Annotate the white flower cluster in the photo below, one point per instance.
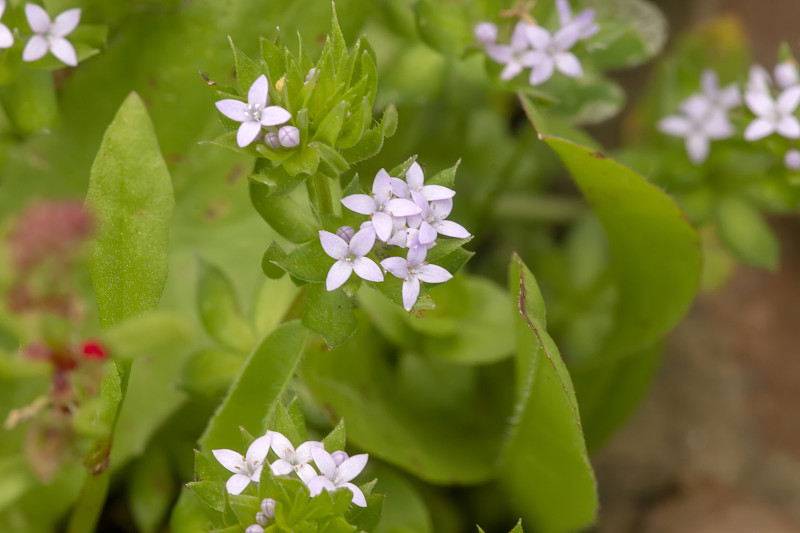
[
  {"x": 336, "y": 469},
  {"x": 407, "y": 214},
  {"x": 258, "y": 117},
  {"x": 48, "y": 35},
  {"x": 536, "y": 48},
  {"x": 774, "y": 104}
]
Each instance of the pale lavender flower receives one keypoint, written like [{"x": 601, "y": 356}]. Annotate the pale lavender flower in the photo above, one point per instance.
[
  {"x": 773, "y": 115},
  {"x": 786, "y": 74},
  {"x": 584, "y": 21},
  {"x": 291, "y": 459},
  {"x": 516, "y": 55},
  {"x": 431, "y": 221},
  {"x": 255, "y": 114},
  {"x": 245, "y": 468},
  {"x": 699, "y": 123},
  {"x": 6, "y": 37},
  {"x": 486, "y": 32},
  {"x": 350, "y": 257},
  {"x": 412, "y": 271},
  {"x": 289, "y": 136},
  {"x": 334, "y": 476},
  {"x": 346, "y": 233},
  {"x": 792, "y": 159},
  {"x": 414, "y": 186},
  {"x": 723, "y": 99},
  {"x": 50, "y": 36},
  {"x": 551, "y": 52},
  {"x": 380, "y": 205}
]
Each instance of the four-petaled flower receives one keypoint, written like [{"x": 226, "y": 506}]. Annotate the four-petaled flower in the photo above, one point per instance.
[
  {"x": 380, "y": 206},
  {"x": 255, "y": 114},
  {"x": 6, "y": 37},
  {"x": 431, "y": 221},
  {"x": 245, "y": 468},
  {"x": 337, "y": 475},
  {"x": 50, "y": 36},
  {"x": 350, "y": 257},
  {"x": 414, "y": 187},
  {"x": 584, "y": 21},
  {"x": 722, "y": 99},
  {"x": 291, "y": 459},
  {"x": 699, "y": 123},
  {"x": 516, "y": 55},
  {"x": 773, "y": 115},
  {"x": 551, "y": 52},
  {"x": 412, "y": 271}
]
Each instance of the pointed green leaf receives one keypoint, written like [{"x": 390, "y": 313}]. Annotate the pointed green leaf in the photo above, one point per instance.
[
  {"x": 335, "y": 440},
  {"x": 219, "y": 309},
  {"x": 247, "y": 70},
  {"x": 747, "y": 234},
  {"x": 330, "y": 313},
  {"x": 283, "y": 213}
]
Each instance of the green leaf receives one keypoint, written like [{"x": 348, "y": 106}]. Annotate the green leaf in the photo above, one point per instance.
[
  {"x": 335, "y": 440},
  {"x": 746, "y": 233},
  {"x": 389, "y": 121},
  {"x": 308, "y": 262},
  {"x": 262, "y": 380},
  {"x": 270, "y": 260},
  {"x": 151, "y": 490},
  {"x": 445, "y": 178},
  {"x": 327, "y": 131},
  {"x": 209, "y": 373},
  {"x": 210, "y": 493},
  {"x": 149, "y": 334},
  {"x": 247, "y": 71},
  {"x": 275, "y": 59},
  {"x": 338, "y": 163},
  {"x": 130, "y": 195},
  {"x": 187, "y": 515},
  {"x": 304, "y": 160},
  {"x": 219, "y": 309},
  {"x": 283, "y": 213},
  {"x": 330, "y": 313},
  {"x": 444, "y": 26},
  {"x": 30, "y": 101},
  {"x": 545, "y": 468}
]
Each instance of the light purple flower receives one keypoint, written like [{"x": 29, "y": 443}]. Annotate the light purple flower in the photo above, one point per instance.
[
  {"x": 255, "y": 114},
  {"x": 6, "y": 37},
  {"x": 516, "y": 55},
  {"x": 412, "y": 271},
  {"x": 551, "y": 52},
  {"x": 486, "y": 32},
  {"x": 50, "y": 36},
  {"x": 723, "y": 99},
  {"x": 699, "y": 123},
  {"x": 245, "y": 468},
  {"x": 431, "y": 221},
  {"x": 792, "y": 159},
  {"x": 414, "y": 186},
  {"x": 773, "y": 115},
  {"x": 291, "y": 459},
  {"x": 380, "y": 205},
  {"x": 349, "y": 257},
  {"x": 334, "y": 476},
  {"x": 584, "y": 21}
]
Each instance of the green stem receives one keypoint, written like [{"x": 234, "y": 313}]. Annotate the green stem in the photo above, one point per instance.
[
  {"x": 321, "y": 194},
  {"x": 90, "y": 503}
]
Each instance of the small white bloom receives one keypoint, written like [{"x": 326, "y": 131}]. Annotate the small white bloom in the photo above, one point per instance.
[
  {"x": 6, "y": 37},
  {"x": 350, "y": 257},
  {"x": 245, "y": 468},
  {"x": 289, "y": 136},
  {"x": 792, "y": 159},
  {"x": 723, "y": 99},
  {"x": 255, "y": 114},
  {"x": 412, "y": 271},
  {"x": 339, "y": 475},
  {"x": 380, "y": 205},
  {"x": 699, "y": 123},
  {"x": 291, "y": 459},
  {"x": 551, "y": 52},
  {"x": 584, "y": 21},
  {"x": 486, "y": 32},
  {"x": 516, "y": 55},
  {"x": 414, "y": 186},
  {"x": 50, "y": 36},
  {"x": 431, "y": 221},
  {"x": 773, "y": 115}
]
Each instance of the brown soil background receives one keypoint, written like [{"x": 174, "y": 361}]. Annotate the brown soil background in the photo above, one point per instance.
[{"x": 715, "y": 447}]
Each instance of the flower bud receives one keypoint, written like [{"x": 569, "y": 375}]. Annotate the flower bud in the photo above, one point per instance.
[
  {"x": 310, "y": 75},
  {"x": 255, "y": 528},
  {"x": 289, "y": 136},
  {"x": 268, "y": 508},
  {"x": 339, "y": 457},
  {"x": 486, "y": 33},
  {"x": 345, "y": 233},
  {"x": 261, "y": 519},
  {"x": 792, "y": 159},
  {"x": 272, "y": 140}
]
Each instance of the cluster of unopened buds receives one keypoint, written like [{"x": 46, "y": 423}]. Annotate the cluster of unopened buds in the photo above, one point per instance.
[
  {"x": 49, "y": 35},
  {"x": 773, "y": 102},
  {"x": 406, "y": 214},
  {"x": 259, "y": 119},
  {"x": 336, "y": 470},
  {"x": 536, "y": 48}
]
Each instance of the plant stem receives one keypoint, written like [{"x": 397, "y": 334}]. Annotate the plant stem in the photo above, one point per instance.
[
  {"x": 321, "y": 194},
  {"x": 90, "y": 503}
]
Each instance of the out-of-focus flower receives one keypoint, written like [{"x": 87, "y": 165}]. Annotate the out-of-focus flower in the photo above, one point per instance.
[{"x": 50, "y": 35}]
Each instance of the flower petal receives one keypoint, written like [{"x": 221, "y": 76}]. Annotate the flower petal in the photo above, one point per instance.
[
  {"x": 519, "y": 37},
  {"x": 280, "y": 444},
  {"x": 35, "y": 49},
  {"x": 788, "y": 100},
  {"x": 281, "y": 467},
  {"x": 247, "y": 133},
  {"x": 231, "y": 460},
  {"x": 416, "y": 256},
  {"x": 788, "y": 127},
  {"x": 6, "y": 37},
  {"x": 452, "y": 229},
  {"x": 696, "y": 106},
  {"x": 758, "y": 129},
  {"x": 358, "y": 496},
  {"x": 397, "y": 266},
  {"x": 786, "y": 75},
  {"x": 569, "y": 65},
  {"x": 759, "y": 103},
  {"x": 362, "y": 242},
  {"x": 676, "y": 125},
  {"x": 427, "y": 233},
  {"x": 257, "y": 451},
  {"x": 485, "y": 32},
  {"x": 566, "y": 37},
  {"x": 500, "y": 53},
  {"x": 359, "y": 203},
  {"x": 233, "y": 109},
  {"x": 730, "y": 97},
  {"x": 303, "y": 452},
  {"x": 274, "y": 115},
  {"x": 66, "y": 22},
  {"x": 382, "y": 222},
  {"x": 433, "y": 274},
  {"x": 415, "y": 176},
  {"x": 542, "y": 71},
  {"x": 437, "y": 192},
  {"x": 367, "y": 269},
  {"x": 442, "y": 208},
  {"x": 537, "y": 36},
  {"x": 305, "y": 472},
  {"x": 758, "y": 79},
  {"x": 333, "y": 245},
  {"x": 318, "y": 484},
  {"x": 564, "y": 12},
  {"x": 38, "y": 19},
  {"x": 64, "y": 51},
  {"x": 258, "y": 93},
  {"x": 400, "y": 188},
  {"x": 400, "y": 207},
  {"x": 325, "y": 463},
  {"x": 237, "y": 483},
  {"x": 410, "y": 292},
  {"x": 338, "y": 274},
  {"x": 697, "y": 146},
  {"x": 709, "y": 82},
  {"x": 352, "y": 466},
  {"x": 340, "y": 456},
  {"x": 382, "y": 186},
  {"x": 511, "y": 70}
]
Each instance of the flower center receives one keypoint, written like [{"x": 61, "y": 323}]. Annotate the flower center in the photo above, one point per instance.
[{"x": 254, "y": 112}]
